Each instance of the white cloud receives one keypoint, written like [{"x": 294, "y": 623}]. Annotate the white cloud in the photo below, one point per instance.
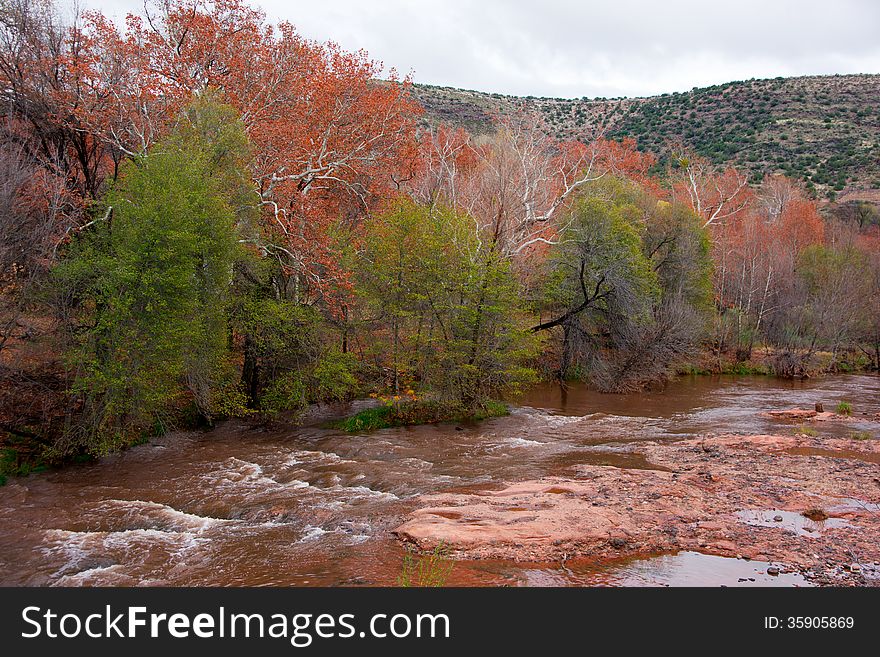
[{"x": 590, "y": 48}]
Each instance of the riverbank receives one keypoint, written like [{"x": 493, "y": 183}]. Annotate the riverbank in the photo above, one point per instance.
[
  {"x": 25, "y": 449},
  {"x": 747, "y": 496},
  {"x": 414, "y": 413},
  {"x": 769, "y": 361}
]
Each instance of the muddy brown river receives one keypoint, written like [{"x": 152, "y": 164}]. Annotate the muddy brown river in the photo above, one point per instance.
[{"x": 309, "y": 506}]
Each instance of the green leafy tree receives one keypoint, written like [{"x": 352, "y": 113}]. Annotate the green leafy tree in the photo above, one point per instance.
[
  {"x": 277, "y": 337},
  {"x": 448, "y": 311},
  {"x": 153, "y": 279},
  {"x": 597, "y": 277},
  {"x": 627, "y": 284}
]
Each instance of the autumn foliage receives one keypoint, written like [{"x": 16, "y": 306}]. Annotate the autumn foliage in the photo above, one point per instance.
[
  {"x": 328, "y": 137},
  {"x": 588, "y": 247}
]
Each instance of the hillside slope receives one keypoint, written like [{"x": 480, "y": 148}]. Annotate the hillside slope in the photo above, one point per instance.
[{"x": 824, "y": 130}]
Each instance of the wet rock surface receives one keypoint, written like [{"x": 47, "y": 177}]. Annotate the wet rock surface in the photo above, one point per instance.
[
  {"x": 717, "y": 495},
  {"x": 816, "y": 415}
]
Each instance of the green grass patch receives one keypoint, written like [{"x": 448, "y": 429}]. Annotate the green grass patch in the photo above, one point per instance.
[
  {"x": 806, "y": 431},
  {"x": 431, "y": 570},
  {"x": 853, "y": 363},
  {"x": 860, "y": 435},
  {"x": 734, "y": 369},
  {"x": 746, "y": 369},
  {"x": 844, "y": 408},
  {"x": 693, "y": 370},
  {"x": 19, "y": 463},
  {"x": 369, "y": 419},
  {"x": 418, "y": 412}
]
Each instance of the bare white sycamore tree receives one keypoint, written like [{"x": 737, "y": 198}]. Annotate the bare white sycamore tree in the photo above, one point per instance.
[
  {"x": 514, "y": 182},
  {"x": 714, "y": 195}
]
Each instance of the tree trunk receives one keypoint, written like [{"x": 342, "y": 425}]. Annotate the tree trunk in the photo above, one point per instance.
[
  {"x": 565, "y": 357},
  {"x": 250, "y": 373}
]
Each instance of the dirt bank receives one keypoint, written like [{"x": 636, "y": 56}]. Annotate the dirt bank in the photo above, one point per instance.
[{"x": 724, "y": 495}]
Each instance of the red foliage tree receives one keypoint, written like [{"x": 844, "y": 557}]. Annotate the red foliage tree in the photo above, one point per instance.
[
  {"x": 756, "y": 250},
  {"x": 328, "y": 135}
]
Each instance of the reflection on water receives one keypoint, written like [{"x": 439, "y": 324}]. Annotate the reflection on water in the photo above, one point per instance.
[
  {"x": 312, "y": 506},
  {"x": 681, "y": 569},
  {"x": 690, "y": 568},
  {"x": 868, "y": 457},
  {"x": 796, "y": 523},
  {"x": 703, "y": 404}
]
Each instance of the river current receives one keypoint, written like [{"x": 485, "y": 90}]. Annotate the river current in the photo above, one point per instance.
[{"x": 310, "y": 506}]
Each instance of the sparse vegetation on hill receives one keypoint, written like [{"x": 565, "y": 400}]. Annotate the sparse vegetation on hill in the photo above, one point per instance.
[{"x": 824, "y": 130}]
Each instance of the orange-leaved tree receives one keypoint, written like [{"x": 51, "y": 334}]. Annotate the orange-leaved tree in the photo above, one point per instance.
[{"x": 328, "y": 135}]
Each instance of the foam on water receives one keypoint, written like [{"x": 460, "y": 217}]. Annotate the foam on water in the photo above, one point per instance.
[
  {"x": 551, "y": 420},
  {"x": 140, "y": 514},
  {"x": 89, "y": 551},
  {"x": 237, "y": 474},
  {"x": 524, "y": 442},
  {"x": 311, "y": 457},
  {"x": 312, "y": 533},
  {"x": 353, "y": 532},
  {"x": 357, "y": 492},
  {"x": 91, "y": 576}
]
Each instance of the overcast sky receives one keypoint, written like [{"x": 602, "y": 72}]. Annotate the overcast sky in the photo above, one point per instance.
[{"x": 593, "y": 47}]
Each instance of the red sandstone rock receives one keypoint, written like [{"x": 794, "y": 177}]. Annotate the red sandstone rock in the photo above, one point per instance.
[
  {"x": 803, "y": 414},
  {"x": 605, "y": 512},
  {"x": 792, "y": 414}
]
